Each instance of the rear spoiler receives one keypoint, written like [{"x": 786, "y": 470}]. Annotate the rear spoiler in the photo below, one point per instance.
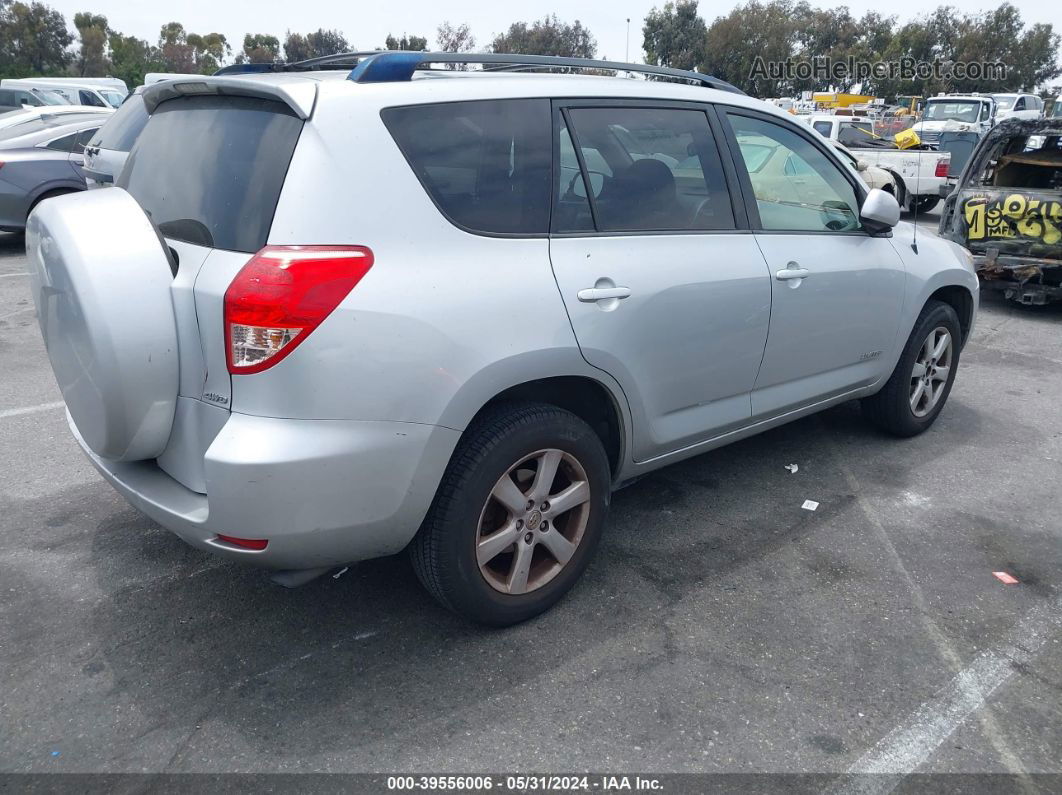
[{"x": 299, "y": 95}]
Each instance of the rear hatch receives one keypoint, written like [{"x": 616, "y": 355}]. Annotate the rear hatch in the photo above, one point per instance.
[{"x": 208, "y": 171}]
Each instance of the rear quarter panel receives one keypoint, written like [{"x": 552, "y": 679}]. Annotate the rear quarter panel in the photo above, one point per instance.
[{"x": 445, "y": 319}]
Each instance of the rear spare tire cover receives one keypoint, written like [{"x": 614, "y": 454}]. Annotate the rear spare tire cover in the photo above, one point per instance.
[{"x": 101, "y": 282}]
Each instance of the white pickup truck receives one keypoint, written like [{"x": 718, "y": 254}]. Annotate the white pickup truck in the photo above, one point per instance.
[{"x": 921, "y": 174}]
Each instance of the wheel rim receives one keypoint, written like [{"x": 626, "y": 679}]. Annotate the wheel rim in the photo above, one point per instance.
[
  {"x": 931, "y": 370},
  {"x": 533, "y": 521}
]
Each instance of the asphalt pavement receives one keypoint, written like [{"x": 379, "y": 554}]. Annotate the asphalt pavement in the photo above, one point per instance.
[{"x": 722, "y": 627}]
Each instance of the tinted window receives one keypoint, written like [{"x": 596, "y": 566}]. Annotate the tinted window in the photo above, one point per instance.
[
  {"x": 64, "y": 144},
  {"x": 89, "y": 98},
  {"x": 660, "y": 169},
  {"x": 855, "y": 133},
  {"x": 571, "y": 212},
  {"x": 121, "y": 130},
  {"x": 83, "y": 138},
  {"x": 823, "y": 127},
  {"x": 797, "y": 187},
  {"x": 208, "y": 169},
  {"x": 1020, "y": 104},
  {"x": 485, "y": 164}
]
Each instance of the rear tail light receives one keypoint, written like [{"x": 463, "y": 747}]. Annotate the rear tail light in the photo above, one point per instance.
[
  {"x": 281, "y": 295},
  {"x": 245, "y": 543},
  {"x": 942, "y": 167}
]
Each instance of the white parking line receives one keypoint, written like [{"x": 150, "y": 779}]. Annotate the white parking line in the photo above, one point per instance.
[
  {"x": 4, "y": 414},
  {"x": 909, "y": 745},
  {"x": 9, "y": 275}
]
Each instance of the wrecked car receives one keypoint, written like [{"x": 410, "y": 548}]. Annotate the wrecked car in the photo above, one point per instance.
[{"x": 1007, "y": 210}]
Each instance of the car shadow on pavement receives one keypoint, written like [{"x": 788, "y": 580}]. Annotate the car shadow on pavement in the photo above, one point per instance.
[{"x": 190, "y": 639}]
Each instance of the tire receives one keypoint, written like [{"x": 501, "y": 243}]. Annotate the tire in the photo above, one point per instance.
[
  {"x": 900, "y": 407},
  {"x": 923, "y": 204},
  {"x": 513, "y": 442}
]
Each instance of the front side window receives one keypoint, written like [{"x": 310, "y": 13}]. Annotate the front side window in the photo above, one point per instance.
[
  {"x": 89, "y": 98},
  {"x": 823, "y": 127},
  {"x": 485, "y": 164},
  {"x": 649, "y": 169},
  {"x": 797, "y": 187}
]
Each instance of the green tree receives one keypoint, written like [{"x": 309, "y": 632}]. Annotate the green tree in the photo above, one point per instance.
[
  {"x": 132, "y": 58},
  {"x": 674, "y": 35},
  {"x": 191, "y": 53},
  {"x": 547, "y": 36},
  {"x": 259, "y": 48},
  {"x": 756, "y": 29},
  {"x": 33, "y": 39},
  {"x": 92, "y": 30},
  {"x": 299, "y": 47},
  {"x": 451, "y": 38},
  {"x": 410, "y": 43}
]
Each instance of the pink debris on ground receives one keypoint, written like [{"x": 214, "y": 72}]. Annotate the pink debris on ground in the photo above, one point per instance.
[{"x": 1005, "y": 578}]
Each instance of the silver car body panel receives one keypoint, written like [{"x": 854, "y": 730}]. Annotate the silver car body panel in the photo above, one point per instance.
[{"x": 335, "y": 452}]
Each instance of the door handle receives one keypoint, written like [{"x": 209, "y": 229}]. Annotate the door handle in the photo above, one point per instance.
[
  {"x": 591, "y": 294},
  {"x": 792, "y": 270}
]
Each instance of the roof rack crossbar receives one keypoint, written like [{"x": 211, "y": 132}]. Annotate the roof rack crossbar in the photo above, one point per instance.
[{"x": 396, "y": 65}]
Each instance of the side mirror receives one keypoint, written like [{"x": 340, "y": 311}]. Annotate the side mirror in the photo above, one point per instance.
[
  {"x": 861, "y": 165},
  {"x": 880, "y": 211}
]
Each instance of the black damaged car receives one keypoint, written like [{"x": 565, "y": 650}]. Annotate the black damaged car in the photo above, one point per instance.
[{"x": 1007, "y": 210}]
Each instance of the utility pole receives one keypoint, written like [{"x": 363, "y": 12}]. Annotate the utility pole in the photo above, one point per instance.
[{"x": 627, "y": 55}]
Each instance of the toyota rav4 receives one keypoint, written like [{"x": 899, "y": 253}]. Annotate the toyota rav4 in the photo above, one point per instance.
[{"x": 348, "y": 307}]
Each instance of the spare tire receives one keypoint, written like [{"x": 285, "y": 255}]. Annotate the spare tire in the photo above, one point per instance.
[{"x": 101, "y": 282}]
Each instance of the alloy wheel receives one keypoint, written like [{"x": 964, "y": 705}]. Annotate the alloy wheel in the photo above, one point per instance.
[
  {"x": 533, "y": 521},
  {"x": 932, "y": 366}
]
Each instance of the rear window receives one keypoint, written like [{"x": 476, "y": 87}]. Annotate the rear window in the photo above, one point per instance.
[
  {"x": 121, "y": 130},
  {"x": 208, "y": 170},
  {"x": 486, "y": 164}
]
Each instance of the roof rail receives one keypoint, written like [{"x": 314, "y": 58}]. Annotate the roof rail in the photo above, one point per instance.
[{"x": 398, "y": 65}]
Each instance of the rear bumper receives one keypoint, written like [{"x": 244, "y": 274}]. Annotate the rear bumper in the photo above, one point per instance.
[{"x": 323, "y": 492}]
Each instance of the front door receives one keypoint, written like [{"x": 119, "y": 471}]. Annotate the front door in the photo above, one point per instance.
[
  {"x": 837, "y": 290},
  {"x": 665, "y": 291}
]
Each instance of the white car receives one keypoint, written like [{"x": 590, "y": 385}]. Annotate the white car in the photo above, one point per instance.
[
  {"x": 873, "y": 176},
  {"x": 1018, "y": 106}
]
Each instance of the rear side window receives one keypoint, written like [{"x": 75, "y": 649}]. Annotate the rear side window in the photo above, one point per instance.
[
  {"x": 208, "y": 170},
  {"x": 121, "y": 130},
  {"x": 485, "y": 164}
]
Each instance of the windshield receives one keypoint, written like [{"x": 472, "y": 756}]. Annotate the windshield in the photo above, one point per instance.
[
  {"x": 50, "y": 98},
  {"x": 956, "y": 110},
  {"x": 1004, "y": 102},
  {"x": 114, "y": 99}
]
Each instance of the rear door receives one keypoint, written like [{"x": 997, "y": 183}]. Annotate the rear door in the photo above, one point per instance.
[
  {"x": 663, "y": 282},
  {"x": 837, "y": 290}
]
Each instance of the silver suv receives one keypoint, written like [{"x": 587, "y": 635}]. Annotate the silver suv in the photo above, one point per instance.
[{"x": 332, "y": 314}]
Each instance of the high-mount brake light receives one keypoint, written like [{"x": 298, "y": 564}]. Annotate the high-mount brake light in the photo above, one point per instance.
[{"x": 281, "y": 295}]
